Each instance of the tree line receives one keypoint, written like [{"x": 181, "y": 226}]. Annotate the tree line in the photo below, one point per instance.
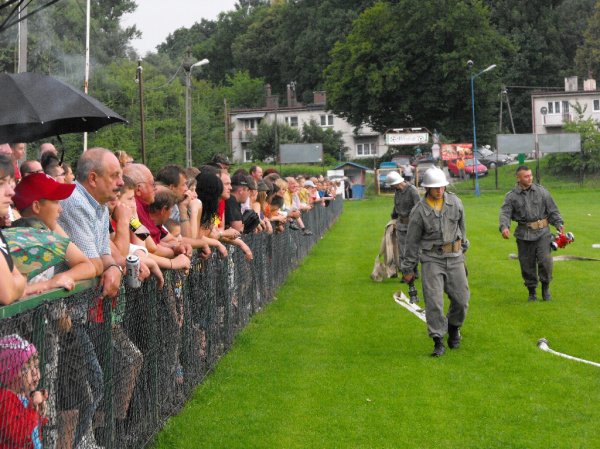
[{"x": 389, "y": 64}]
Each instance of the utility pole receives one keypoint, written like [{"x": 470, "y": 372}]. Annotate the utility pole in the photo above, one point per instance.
[
  {"x": 188, "y": 65},
  {"x": 140, "y": 80},
  {"x": 22, "y": 42},
  {"x": 86, "y": 78}
]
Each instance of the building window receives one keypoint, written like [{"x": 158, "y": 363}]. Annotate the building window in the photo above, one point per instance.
[
  {"x": 250, "y": 123},
  {"x": 327, "y": 120},
  {"x": 247, "y": 156},
  {"x": 292, "y": 121},
  {"x": 366, "y": 149},
  {"x": 596, "y": 105},
  {"x": 554, "y": 107}
]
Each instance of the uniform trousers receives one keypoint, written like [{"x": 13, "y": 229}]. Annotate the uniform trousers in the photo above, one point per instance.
[
  {"x": 535, "y": 260},
  {"x": 447, "y": 275}
]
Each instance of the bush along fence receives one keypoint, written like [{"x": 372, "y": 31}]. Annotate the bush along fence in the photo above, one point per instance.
[{"x": 115, "y": 370}]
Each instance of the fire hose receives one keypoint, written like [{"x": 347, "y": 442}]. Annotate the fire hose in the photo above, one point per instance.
[
  {"x": 412, "y": 307},
  {"x": 543, "y": 345}
]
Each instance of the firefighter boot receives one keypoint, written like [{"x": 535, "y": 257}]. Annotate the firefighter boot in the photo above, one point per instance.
[
  {"x": 454, "y": 336},
  {"x": 546, "y": 296},
  {"x": 438, "y": 347},
  {"x": 532, "y": 294}
]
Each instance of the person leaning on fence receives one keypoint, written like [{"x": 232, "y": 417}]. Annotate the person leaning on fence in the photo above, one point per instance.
[
  {"x": 293, "y": 202},
  {"x": 533, "y": 208},
  {"x": 406, "y": 196},
  {"x": 22, "y": 405},
  {"x": 173, "y": 179},
  {"x": 437, "y": 230},
  {"x": 37, "y": 198},
  {"x": 209, "y": 188},
  {"x": 85, "y": 219},
  {"x": 85, "y": 216},
  {"x": 123, "y": 213},
  {"x": 195, "y": 207},
  {"x": 228, "y": 234},
  {"x": 258, "y": 199},
  {"x": 240, "y": 193},
  {"x": 13, "y": 282},
  {"x": 145, "y": 191}
]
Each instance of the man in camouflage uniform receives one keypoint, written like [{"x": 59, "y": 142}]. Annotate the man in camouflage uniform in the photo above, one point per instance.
[
  {"x": 405, "y": 197},
  {"x": 437, "y": 228},
  {"x": 533, "y": 208}
]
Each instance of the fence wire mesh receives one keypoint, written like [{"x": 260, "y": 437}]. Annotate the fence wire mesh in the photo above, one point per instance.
[{"x": 115, "y": 370}]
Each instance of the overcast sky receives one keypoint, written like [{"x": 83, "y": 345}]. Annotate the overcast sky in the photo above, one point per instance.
[{"x": 156, "y": 19}]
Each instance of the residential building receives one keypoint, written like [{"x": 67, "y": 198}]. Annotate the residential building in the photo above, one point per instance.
[
  {"x": 365, "y": 143},
  {"x": 552, "y": 110}
]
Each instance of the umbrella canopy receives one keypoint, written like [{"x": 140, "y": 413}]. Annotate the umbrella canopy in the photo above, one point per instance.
[{"x": 34, "y": 106}]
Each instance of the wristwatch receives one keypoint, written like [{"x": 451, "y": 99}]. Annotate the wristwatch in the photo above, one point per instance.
[{"x": 114, "y": 265}]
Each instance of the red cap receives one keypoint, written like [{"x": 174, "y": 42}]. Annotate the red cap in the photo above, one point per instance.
[{"x": 39, "y": 186}]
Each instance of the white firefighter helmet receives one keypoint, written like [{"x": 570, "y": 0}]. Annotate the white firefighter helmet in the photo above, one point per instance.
[
  {"x": 393, "y": 178},
  {"x": 434, "y": 177}
]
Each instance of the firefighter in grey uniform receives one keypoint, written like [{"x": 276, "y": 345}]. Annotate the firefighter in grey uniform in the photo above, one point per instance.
[
  {"x": 533, "y": 208},
  {"x": 406, "y": 196},
  {"x": 437, "y": 228}
]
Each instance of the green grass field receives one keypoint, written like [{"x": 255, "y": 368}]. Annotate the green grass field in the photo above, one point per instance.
[{"x": 333, "y": 362}]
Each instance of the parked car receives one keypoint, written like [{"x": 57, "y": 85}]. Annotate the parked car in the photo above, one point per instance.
[
  {"x": 490, "y": 159},
  {"x": 422, "y": 167},
  {"x": 469, "y": 168},
  {"x": 385, "y": 168}
]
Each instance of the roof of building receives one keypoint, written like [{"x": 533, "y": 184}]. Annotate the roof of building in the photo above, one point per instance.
[{"x": 352, "y": 164}]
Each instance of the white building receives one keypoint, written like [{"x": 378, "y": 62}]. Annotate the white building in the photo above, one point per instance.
[
  {"x": 550, "y": 111},
  {"x": 244, "y": 125}
]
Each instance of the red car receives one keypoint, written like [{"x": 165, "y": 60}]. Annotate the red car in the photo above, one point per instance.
[{"x": 469, "y": 168}]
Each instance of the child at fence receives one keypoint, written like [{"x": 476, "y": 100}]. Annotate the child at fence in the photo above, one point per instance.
[
  {"x": 42, "y": 249},
  {"x": 22, "y": 406}
]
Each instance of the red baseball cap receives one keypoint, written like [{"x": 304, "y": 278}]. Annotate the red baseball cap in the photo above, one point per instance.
[{"x": 39, "y": 186}]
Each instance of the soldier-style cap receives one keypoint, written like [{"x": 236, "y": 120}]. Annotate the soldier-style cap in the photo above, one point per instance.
[
  {"x": 262, "y": 186},
  {"x": 239, "y": 180},
  {"x": 220, "y": 159}
]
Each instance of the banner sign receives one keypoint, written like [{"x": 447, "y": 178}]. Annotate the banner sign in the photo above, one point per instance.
[
  {"x": 452, "y": 151},
  {"x": 406, "y": 138}
]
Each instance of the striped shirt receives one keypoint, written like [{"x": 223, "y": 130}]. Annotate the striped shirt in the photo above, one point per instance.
[{"x": 86, "y": 222}]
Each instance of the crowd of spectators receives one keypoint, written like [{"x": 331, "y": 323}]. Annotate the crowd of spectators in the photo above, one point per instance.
[{"x": 58, "y": 227}]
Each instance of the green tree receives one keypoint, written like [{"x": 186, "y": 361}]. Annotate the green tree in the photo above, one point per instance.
[
  {"x": 291, "y": 41},
  {"x": 588, "y": 160},
  {"x": 243, "y": 91},
  {"x": 545, "y": 36},
  {"x": 405, "y": 65},
  {"x": 333, "y": 141},
  {"x": 266, "y": 143},
  {"x": 588, "y": 54}
]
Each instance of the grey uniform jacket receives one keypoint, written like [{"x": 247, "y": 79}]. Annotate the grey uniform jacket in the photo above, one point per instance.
[
  {"x": 404, "y": 201},
  {"x": 526, "y": 206},
  {"x": 428, "y": 229}
]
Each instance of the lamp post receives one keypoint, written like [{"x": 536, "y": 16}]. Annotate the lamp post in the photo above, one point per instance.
[
  {"x": 188, "y": 65},
  {"x": 470, "y": 64}
]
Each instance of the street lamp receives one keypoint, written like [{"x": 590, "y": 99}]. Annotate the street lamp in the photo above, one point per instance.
[
  {"x": 188, "y": 65},
  {"x": 492, "y": 67}
]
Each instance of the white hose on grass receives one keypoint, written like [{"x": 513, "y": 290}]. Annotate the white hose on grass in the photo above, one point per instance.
[
  {"x": 562, "y": 257},
  {"x": 403, "y": 300},
  {"x": 543, "y": 345}
]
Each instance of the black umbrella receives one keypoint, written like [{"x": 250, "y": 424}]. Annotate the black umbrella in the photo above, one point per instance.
[{"x": 34, "y": 106}]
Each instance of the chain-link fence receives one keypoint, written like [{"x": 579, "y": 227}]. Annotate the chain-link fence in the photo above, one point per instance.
[{"x": 115, "y": 370}]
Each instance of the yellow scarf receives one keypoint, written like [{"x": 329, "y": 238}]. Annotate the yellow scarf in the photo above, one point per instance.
[{"x": 435, "y": 204}]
